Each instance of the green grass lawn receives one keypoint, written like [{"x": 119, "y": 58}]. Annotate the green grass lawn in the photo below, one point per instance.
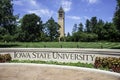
[
  {"x": 108, "y": 45},
  {"x": 78, "y": 64}
]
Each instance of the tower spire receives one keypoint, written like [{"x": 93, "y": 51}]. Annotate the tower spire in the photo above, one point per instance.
[{"x": 61, "y": 9}]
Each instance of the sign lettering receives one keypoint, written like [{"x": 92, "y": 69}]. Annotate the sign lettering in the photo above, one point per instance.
[{"x": 54, "y": 56}]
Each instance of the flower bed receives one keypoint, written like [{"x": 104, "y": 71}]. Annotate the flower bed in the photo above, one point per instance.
[
  {"x": 5, "y": 58},
  {"x": 111, "y": 63}
]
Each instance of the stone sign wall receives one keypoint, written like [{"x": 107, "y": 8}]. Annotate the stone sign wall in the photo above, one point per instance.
[
  {"x": 55, "y": 56},
  {"x": 59, "y": 54}
]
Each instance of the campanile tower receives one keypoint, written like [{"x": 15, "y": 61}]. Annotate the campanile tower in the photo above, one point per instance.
[{"x": 61, "y": 22}]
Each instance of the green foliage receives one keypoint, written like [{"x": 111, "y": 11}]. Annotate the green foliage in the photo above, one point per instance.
[
  {"x": 75, "y": 28},
  {"x": 116, "y": 18},
  {"x": 84, "y": 37},
  {"x": 68, "y": 38},
  {"x": 95, "y": 30},
  {"x": 93, "y": 24},
  {"x": 52, "y": 30},
  {"x": 80, "y": 28},
  {"x": 106, "y": 45},
  {"x": 31, "y": 27},
  {"x": 7, "y": 38},
  {"x": 78, "y": 64},
  {"x": 87, "y": 26},
  {"x": 7, "y": 19}
]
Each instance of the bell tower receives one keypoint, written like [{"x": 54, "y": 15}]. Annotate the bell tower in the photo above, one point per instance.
[{"x": 61, "y": 22}]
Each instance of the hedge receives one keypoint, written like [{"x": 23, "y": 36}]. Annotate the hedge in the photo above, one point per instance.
[
  {"x": 112, "y": 63},
  {"x": 5, "y": 58}
]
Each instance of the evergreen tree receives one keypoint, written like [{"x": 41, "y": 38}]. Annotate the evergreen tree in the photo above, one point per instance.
[
  {"x": 75, "y": 28},
  {"x": 87, "y": 26},
  {"x": 80, "y": 28},
  {"x": 93, "y": 24},
  {"x": 52, "y": 29},
  {"x": 110, "y": 32},
  {"x": 116, "y": 18},
  {"x": 100, "y": 29},
  {"x": 68, "y": 37}
]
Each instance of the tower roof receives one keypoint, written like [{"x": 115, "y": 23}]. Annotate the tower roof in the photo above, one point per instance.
[{"x": 61, "y": 9}]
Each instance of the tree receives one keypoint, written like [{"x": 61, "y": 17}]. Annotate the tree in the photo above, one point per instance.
[
  {"x": 7, "y": 19},
  {"x": 31, "y": 27},
  {"x": 75, "y": 36},
  {"x": 84, "y": 37},
  {"x": 87, "y": 25},
  {"x": 110, "y": 33},
  {"x": 93, "y": 24},
  {"x": 68, "y": 37},
  {"x": 116, "y": 18},
  {"x": 80, "y": 28},
  {"x": 52, "y": 29},
  {"x": 75, "y": 28},
  {"x": 100, "y": 29}
]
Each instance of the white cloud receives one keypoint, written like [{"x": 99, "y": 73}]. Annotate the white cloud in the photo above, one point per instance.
[
  {"x": 25, "y": 2},
  {"x": 32, "y": 6},
  {"x": 66, "y": 4},
  {"x": 33, "y": 2},
  {"x": 92, "y": 1},
  {"x": 86, "y": 17},
  {"x": 42, "y": 12},
  {"x": 74, "y": 17}
]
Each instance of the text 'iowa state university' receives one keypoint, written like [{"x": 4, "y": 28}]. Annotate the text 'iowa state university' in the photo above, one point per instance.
[{"x": 54, "y": 55}]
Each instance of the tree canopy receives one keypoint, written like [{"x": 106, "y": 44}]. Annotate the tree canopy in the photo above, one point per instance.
[
  {"x": 7, "y": 19},
  {"x": 31, "y": 28},
  {"x": 116, "y": 18},
  {"x": 52, "y": 29}
]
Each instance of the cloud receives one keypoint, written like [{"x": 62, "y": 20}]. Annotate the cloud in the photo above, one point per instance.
[
  {"x": 86, "y": 17},
  {"x": 16, "y": 2},
  {"x": 32, "y": 6},
  {"x": 42, "y": 12},
  {"x": 33, "y": 2},
  {"x": 74, "y": 17},
  {"x": 24, "y": 2},
  {"x": 66, "y": 4},
  {"x": 91, "y": 1}
]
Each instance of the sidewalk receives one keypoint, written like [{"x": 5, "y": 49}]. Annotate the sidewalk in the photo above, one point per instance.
[{"x": 15, "y": 71}]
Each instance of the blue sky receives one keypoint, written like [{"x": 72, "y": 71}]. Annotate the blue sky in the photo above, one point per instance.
[{"x": 76, "y": 11}]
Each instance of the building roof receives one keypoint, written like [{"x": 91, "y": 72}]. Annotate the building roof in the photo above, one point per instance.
[{"x": 61, "y": 9}]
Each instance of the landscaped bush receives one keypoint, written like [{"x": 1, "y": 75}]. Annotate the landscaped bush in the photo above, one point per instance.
[
  {"x": 5, "y": 58},
  {"x": 111, "y": 63},
  {"x": 2, "y": 58}
]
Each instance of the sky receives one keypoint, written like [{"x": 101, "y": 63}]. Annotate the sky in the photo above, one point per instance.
[{"x": 76, "y": 11}]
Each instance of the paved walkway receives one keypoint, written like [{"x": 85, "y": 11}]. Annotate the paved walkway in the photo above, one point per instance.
[{"x": 21, "y": 71}]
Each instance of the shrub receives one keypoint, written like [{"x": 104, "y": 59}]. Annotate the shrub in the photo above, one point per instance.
[
  {"x": 111, "y": 63},
  {"x": 5, "y": 58},
  {"x": 2, "y": 58}
]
